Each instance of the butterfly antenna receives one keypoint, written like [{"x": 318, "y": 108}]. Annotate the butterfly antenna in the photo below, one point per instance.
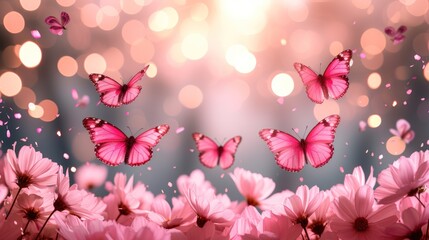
[
  {"x": 295, "y": 130},
  {"x": 131, "y": 132}
]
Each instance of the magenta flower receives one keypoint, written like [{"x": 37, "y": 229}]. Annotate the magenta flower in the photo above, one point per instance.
[
  {"x": 300, "y": 206},
  {"x": 90, "y": 176},
  {"x": 360, "y": 218},
  {"x": 406, "y": 177},
  {"x": 253, "y": 186}
]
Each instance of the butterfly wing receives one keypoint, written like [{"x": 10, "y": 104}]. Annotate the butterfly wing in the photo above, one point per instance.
[
  {"x": 108, "y": 88},
  {"x": 133, "y": 89},
  {"x": 311, "y": 82},
  {"x": 65, "y": 19},
  {"x": 55, "y": 26},
  {"x": 209, "y": 150},
  {"x": 287, "y": 150},
  {"x": 390, "y": 31},
  {"x": 142, "y": 149},
  {"x": 110, "y": 142},
  {"x": 319, "y": 147},
  {"x": 335, "y": 76},
  {"x": 227, "y": 155}
]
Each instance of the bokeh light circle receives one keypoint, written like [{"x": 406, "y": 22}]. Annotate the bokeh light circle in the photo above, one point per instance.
[
  {"x": 373, "y": 41},
  {"x": 13, "y": 22},
  {"x": 282, "y": 85},
  {"x": 395, "y": 145},
  {"x": 67, "y": 66},
  {"x": 94, "y": 63},
  {"x": 190, "y": 96},
  {"x": 10, "y": 84},
  {"x": 30, "y": 54},
  {"x": 374, "y": 121}
]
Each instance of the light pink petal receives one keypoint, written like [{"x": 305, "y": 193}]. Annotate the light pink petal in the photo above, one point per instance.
[{"x": 364, "y": 200}]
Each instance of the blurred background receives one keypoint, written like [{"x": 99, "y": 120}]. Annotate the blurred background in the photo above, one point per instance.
[{"x": 222, "y": 68}]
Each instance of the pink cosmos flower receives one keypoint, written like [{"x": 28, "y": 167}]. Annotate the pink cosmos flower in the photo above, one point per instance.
[
  {"x": 28, "y": 169},
  {"x": 411, "y": 225},
  {"x": 300, "y": 206},
  {"x": 352, "y": 182},
  {"x": 125, "y": 200},
  {"x": 253, "y": 186},
  {"x": 360, "y": 218},
  {"x": 72, "y": 227},
  {"x": 71, "y": 200},
  {"x": 90, "y": 176},
  {"x": 162, "y": 214},
  {"x": 34, "y": 209},
  {"x": 246, "y": 225},
  {"x": 195, "y": 178},
  {"x": 208, "y": 207},
  {"x": 274, "y": 227},
  {"x": 405, "y": 177},
  {"x": 319, "y": 222}
]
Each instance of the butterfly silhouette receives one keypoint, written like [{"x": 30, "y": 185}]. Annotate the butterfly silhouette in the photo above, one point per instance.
[
  {"x": 56, "y": 27},
  {"x": 333, "y": 83},
  {"x": 396, "y": 36},
  {"x": 211, "y": 154},
  {"x": 316, "y": 149},
  {"x": 113, "y": 94},
  {"x": 113, "y": 147}
]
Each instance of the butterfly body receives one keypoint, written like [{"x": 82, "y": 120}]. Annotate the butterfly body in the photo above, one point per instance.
[
  {"x": 316, "y": 149},
  {"x": 212, "y": 154},
  {"x": 113, "y": 94},
  {"x": 113, "y": 147},
  {"x": 397, "y": 35},
  {"x": 333, "y": 83}
]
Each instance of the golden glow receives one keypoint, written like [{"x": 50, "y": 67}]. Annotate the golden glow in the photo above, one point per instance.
[
  {"x": 190, "y": 96},
  {"x": 199, "y": 12},
  {"x": 30, "y": 54},
  {"x": 164, "y": 19},
  {"x": 395, "y": 145},
  {"x": 30, "y": 5},
  {"x": 418, "y": 8},
  {"x": 67, "y": 66},
  {"x": 362, "y": 4},
  {"x": 88, "y": 16},
  {"x": 10, "y": 84},
  {"x": 325, "y": 109},
  {"x": 194, "y": 46},
  {"x": 131, "y": 7},
  {"x": 13, "y": 22},
  {"x": 374, "y": 80},
  {"x": 240, "y": 58},
  {"x": 373, "y": 41},
  {"x": 94, "y": 63},
  {"x": 374, "y": 121},
  {"x": 282, "y": 85}
]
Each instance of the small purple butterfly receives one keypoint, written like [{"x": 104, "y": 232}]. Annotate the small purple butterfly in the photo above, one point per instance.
[
  {"x": 56, "y": 27},
  {"x": 397, "y": 36}
]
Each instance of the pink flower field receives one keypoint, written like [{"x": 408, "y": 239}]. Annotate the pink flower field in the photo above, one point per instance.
[{"x": 214, "y": 119}]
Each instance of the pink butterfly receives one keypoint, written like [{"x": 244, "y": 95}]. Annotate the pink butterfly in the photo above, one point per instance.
[
  {"x": 113, "y": 94},
  {"x": 55, "y": 26},
  {"x": 113, "y": 147},
  {"x": 334, "y": 81},
  {"x": 211, "y": 154},
  {"x": 403, "y": 130},
  {"x": 317, "y": 148},
  {"x": 397, "y": 36}
]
